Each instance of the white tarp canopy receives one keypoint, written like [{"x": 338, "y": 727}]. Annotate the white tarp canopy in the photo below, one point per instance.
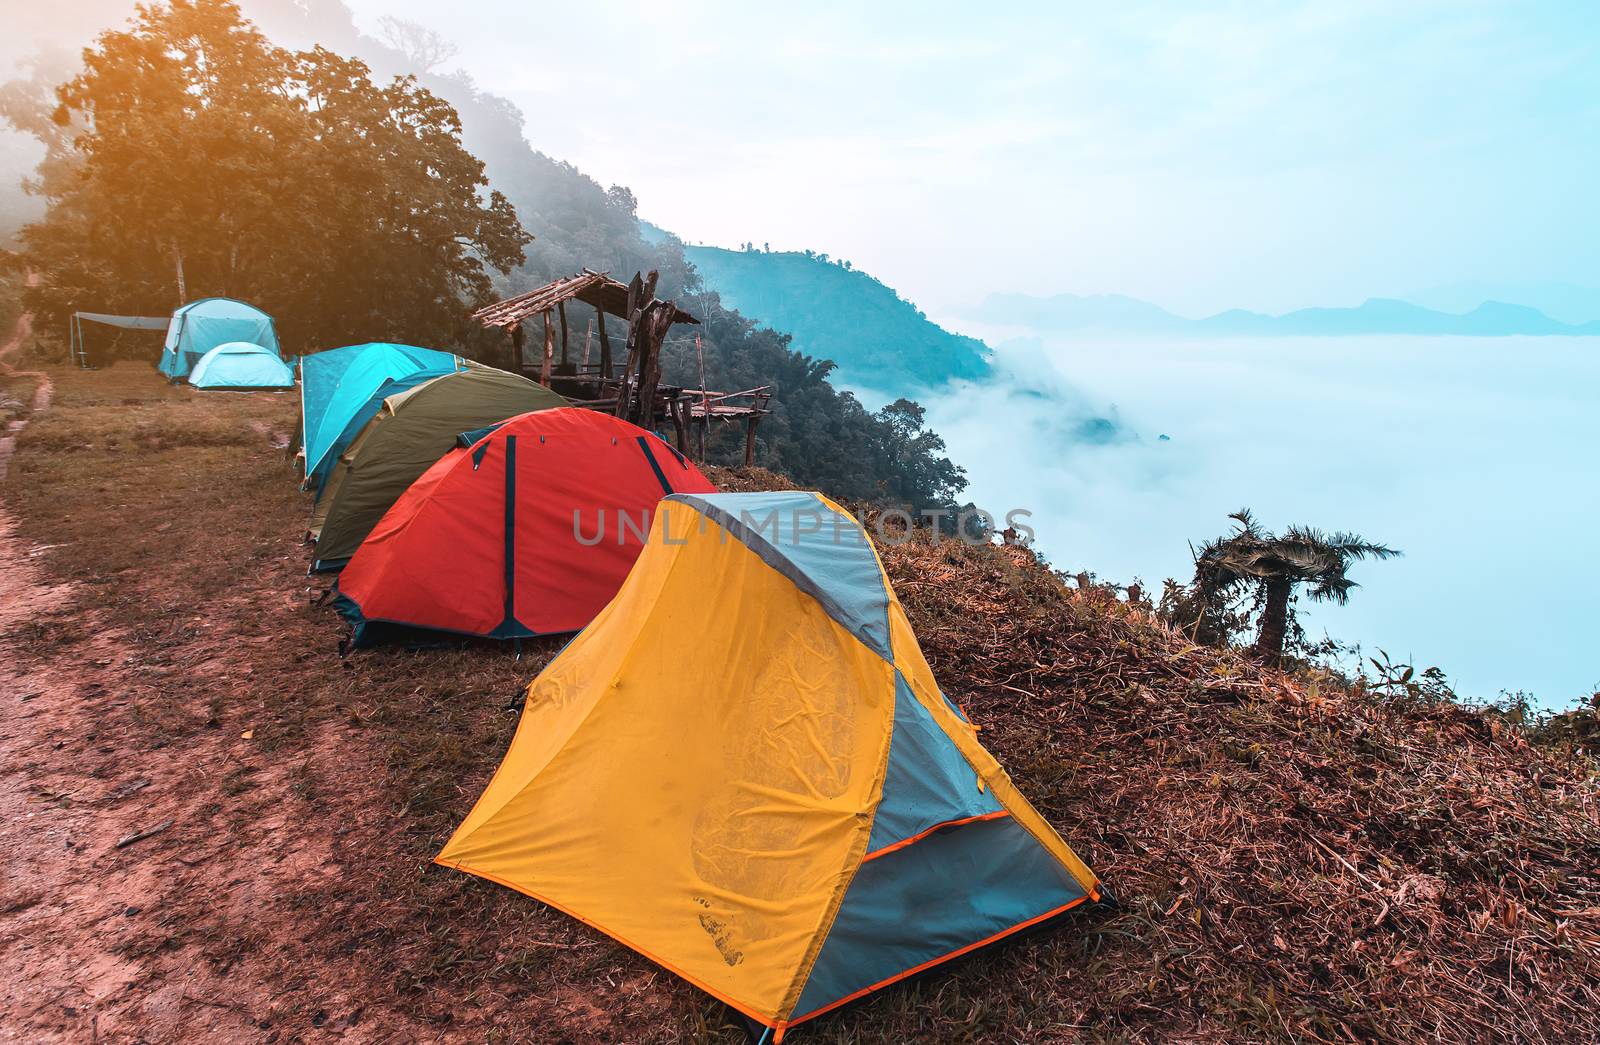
[{"x": 80, "y": 353}]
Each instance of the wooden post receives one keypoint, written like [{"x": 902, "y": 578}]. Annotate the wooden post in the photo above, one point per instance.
[
  {"x": 630, "y": 378},
  {"x": 605, "y": 345},
  {"x": 588, "y": 336},
  {"x": 750, "y": 440},
  {"x": 549, "y": 350},
  {"x": 645, "y": 407},
  {"x": 648, "y": 344},
  {"x": 705, "y": 402},
  {"x": 680, "y": 407},
  {"x": 561, "y": 307},
  {"x": 519, "y": 338},
  {"x": 654, "y": 323}
]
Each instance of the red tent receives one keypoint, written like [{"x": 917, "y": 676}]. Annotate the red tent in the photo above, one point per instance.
[{"x": 526, "y": 529}]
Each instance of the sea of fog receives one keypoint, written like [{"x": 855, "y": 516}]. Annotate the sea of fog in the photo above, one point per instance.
[{"x": 1478, "y": 457}]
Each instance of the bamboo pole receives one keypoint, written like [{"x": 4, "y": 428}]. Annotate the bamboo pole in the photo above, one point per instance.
[{"x": 605, "y": 344}]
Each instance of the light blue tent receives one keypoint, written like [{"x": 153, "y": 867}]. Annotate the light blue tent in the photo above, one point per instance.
[
  {"x": 337, "y": 385},
  {"x": 200, "y": 326},
  {"x": 358, "y": 420},
  {"x": 240, "y": 366}
]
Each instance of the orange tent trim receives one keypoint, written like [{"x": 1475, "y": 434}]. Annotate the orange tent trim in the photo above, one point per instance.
[{"x": 920, "y": 835}]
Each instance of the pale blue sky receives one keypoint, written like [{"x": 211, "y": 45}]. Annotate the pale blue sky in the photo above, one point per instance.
[{"x": 1263, "y": 155}]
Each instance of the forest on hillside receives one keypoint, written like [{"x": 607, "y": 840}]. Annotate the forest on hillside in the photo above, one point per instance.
[
  {"x": 836, "y": 311},
  {"x": 314, "y": 200}
]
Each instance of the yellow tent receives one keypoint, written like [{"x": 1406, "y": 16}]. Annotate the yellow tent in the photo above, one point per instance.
[{"x": 744, "y": 770}]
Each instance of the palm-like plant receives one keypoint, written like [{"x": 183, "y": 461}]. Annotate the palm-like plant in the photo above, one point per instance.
[{"x": 1271, "y": 565}]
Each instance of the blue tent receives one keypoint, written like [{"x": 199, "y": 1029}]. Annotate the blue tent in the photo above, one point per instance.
[
  {"x": 358, "y": 420},
  {"x": 337, "y": 385},
  {"x": 241, "y": 366},
  {"x": 200, "y": 326}
]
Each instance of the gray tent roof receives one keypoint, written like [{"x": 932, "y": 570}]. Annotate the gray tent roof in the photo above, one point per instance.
[{"x": 125, "y": 322}]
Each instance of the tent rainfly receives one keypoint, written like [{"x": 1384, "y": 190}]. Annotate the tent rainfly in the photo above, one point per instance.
[
  {"x": 318, "y": 481},
  {"x": 526, "y": 530},
  {"x": 336, "y": 385},
  {"x": 409, "y": 432},
  {"x": 239, "y": 366},
  {"x": 200, "y": 326},
  {"x": 744, "y": 770}
]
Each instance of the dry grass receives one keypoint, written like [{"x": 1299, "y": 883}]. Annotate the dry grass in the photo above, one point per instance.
[{"x": 1294, "y": 862}]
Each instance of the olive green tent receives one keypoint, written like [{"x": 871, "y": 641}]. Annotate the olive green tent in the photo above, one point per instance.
[{"x": 412, "y": 430}]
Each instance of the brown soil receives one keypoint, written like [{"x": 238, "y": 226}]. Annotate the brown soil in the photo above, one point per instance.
[{"x": 1295, "y": 860}]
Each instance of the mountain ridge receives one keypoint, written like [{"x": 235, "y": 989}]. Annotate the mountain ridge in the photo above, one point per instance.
[
  {"x": 1120, "y": 314},
  {"x": 837, "y": 312}
]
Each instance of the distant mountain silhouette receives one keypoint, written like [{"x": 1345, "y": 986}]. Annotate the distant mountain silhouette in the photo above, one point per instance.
[
  {"x": 1564, "y": 302},
  {"x": 1116, "y": 314}
]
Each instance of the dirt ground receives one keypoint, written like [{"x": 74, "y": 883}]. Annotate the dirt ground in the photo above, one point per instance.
[
  {"x": 217, "y": 828},
  {"x": 134, "y": 691}
]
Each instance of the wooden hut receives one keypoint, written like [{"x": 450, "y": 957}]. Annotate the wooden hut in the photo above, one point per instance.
[{"x": 626, "y": 382}]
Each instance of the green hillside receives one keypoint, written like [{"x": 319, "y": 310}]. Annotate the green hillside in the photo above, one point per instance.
[{"x": 837, "y": 312}]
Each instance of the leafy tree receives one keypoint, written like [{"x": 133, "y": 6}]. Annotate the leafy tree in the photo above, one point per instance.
[
  {"x": 210, "y": 162},
  {"x": 425, "y": 50},
  {"x": 910, "y": 458},
  {"x": 28, "y": 104},
  {"x": 816, "y": 434},
  {"x": 1251, "y": 562}
]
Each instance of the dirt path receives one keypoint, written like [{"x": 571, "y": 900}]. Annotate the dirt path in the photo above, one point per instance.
[
  {"x": 118, "y": 844},
  {"x": 62, "y": 890},
  {"x": 23, "y": 592}
]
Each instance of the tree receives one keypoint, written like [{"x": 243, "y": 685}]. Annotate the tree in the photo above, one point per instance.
[
  {"x": 817, "y": 435},
  {"x": 622, "y": 198},
  {"x": 424, "y": 49},
  {"x": 1254, "y": 562},
  {"x": 210, "y": 162},
  {"x": 28, "y": 104},
  {"x": 910, "y": 459}
]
